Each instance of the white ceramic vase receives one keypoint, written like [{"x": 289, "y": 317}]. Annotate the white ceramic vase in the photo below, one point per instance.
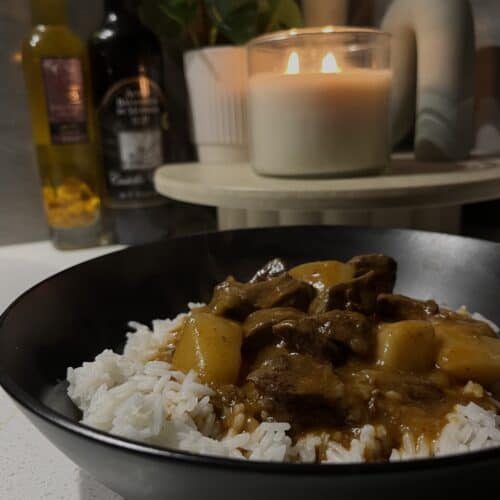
[
  {"x": 437, "y": 94},
  {"x": 217, "y": 84}
]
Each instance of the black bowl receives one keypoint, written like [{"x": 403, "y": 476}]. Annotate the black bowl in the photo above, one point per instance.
[{"x": 74, "y": 315}]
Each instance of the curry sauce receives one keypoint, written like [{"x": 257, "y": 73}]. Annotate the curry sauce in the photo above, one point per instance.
[{"x": 329, "y": 348}]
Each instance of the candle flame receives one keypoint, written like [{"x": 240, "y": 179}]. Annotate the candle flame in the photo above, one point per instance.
[
  {"x": 329, "y": 64},
  {"x": 293, "y": 66}
]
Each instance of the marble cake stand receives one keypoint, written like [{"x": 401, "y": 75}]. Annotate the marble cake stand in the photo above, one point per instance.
[{"x": 408, "y": 194}]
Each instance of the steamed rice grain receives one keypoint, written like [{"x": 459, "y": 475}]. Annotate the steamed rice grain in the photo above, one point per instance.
[{"x": 130, "y": 396}]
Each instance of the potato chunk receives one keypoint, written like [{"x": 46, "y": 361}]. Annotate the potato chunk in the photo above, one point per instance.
[
  {"x": 211, "y": 346},
  {"x": 323, "y": 274},
  {"x": 406, "y": 345},
  {"x": 455, "y": 324},
  {"x": 469, "y": 356}
]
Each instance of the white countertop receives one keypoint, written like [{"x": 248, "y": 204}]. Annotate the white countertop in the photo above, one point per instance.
[{"x": 30, "y": 466}]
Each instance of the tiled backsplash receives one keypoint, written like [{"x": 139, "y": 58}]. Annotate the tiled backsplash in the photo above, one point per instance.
[{"x": 21, "y": 217}]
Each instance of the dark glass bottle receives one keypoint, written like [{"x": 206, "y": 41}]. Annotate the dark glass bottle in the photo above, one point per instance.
[{"x": 133, "y": 121}]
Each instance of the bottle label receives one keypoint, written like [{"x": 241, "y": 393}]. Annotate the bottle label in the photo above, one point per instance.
[
  {"x": 64, "y": 92},
  {"x": 133, "y": 120}
]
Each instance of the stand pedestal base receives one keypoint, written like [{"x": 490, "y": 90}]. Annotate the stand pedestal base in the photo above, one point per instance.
[{"x": 441, "y": 219}]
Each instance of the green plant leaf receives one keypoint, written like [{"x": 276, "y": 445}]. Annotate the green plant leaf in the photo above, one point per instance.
[
  {"x": 236, "y": 20},
  {"x": 284, "y": 14},
  {"x": 241, "y": 20},
  {"x": 169, "y": 18}
]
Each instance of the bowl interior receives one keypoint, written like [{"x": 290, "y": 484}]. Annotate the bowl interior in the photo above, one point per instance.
[{"x": 74, "y": 315}]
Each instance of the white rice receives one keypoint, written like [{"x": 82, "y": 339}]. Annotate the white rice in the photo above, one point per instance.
[{"x": 130, "y": 396}]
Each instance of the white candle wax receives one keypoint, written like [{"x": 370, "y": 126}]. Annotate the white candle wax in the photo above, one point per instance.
[{"x": 316, "y": 124}]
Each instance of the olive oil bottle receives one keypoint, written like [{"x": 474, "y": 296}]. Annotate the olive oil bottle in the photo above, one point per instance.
[{"x": 59, "y": 95}]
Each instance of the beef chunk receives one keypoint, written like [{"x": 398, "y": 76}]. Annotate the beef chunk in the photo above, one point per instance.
[
  {"x": 327, "y": 336},
  {"x": 398, "y": 308},
  {"x": 374, "y": 274},
  {"x": 272, "y": 269},
  {"x": 380, "y": 264},
  {"x": 410, "y": 387},
  {"x": 298, "y": 379},
  {"x": 237, "y": 300},
  {"x": 258, "y": 326}
]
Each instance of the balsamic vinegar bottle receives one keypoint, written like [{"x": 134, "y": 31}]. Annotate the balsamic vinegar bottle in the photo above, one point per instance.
[{"x": 127, "y": 78}]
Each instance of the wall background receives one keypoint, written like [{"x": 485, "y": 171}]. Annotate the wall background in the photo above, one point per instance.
[{"x": 21, "y": 216}]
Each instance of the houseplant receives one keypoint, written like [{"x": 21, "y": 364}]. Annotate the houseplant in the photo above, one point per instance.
[{"x": 215, "y": 32}]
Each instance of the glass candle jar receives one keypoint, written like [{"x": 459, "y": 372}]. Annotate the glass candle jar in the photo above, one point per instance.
[{"x": 319, "y": 102}]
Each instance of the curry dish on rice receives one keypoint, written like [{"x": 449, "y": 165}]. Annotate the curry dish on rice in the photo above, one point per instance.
[{"x": 327, "y": 347}]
